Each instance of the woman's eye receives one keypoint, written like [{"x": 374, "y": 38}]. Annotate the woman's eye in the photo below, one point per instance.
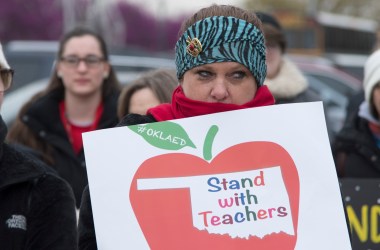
[
  {"x": 239, "y": 74},
  {"x": 203, "y": 73}
]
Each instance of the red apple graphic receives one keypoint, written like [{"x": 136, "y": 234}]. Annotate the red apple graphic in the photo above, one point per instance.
[{"x": 165, "y": 216}]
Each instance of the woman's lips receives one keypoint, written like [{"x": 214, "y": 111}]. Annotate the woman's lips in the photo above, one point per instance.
[{"x": 82, "y": 80}]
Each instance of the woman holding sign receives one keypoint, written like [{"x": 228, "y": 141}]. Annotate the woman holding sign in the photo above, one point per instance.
[{"x": 220, "y": 61}]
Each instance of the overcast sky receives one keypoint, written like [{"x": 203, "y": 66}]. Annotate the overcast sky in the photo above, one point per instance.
[{"x": 175, "y": 8}]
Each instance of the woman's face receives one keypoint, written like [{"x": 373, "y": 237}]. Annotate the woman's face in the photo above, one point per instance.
[
  {"x": 274, "y": 57},
  {"x": 82, "y": 66},
  {"x": 224, "y": 82},
  {"x": 142, "y": 100}
]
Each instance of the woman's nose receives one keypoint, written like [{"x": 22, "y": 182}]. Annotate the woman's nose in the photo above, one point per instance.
[
  {"x": 219, "y": 91},
  {"x": 82, "y": 66}
]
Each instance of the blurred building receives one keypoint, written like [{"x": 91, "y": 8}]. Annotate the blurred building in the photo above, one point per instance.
[{"x": 346, "y": 40}]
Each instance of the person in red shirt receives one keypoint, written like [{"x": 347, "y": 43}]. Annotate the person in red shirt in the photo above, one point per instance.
[{"x": 80, "y": 97}]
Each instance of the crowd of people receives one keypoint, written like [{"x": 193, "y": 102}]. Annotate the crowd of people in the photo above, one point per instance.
[{"x": 43, "y": 185}]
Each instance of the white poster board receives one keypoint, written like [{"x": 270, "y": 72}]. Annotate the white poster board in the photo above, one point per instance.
[{"x": 260, "y": 177}]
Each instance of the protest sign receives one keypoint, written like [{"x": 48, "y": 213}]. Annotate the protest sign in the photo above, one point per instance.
[
  {"x": 260, "y": 178},
  {"x": 362, "y": 198}
]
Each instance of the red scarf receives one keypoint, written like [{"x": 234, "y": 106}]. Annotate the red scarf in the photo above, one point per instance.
[
  {"x": 74, "y": 132},
  {"x": 375, "y": 128},
  {"x": 182, "y": 107}
]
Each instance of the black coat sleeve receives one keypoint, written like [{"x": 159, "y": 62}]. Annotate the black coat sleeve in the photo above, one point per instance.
[
  {"x": 134, "y": 119},
  {"x": 86, "y": 229},
  {"x": 52, "y": 222}
]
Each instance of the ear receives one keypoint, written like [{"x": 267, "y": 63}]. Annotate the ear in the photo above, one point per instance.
[
  {"x": 106, "y": 71},
  {"x": 57, "y": 68}
]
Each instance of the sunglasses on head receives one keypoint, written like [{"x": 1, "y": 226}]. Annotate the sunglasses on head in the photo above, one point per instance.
[{"x": 6, "y": 76}]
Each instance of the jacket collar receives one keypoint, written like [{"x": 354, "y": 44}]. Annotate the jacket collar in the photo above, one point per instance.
[
  {"x": 43, "y": 114},
  {"x": 288, "y": 83}
]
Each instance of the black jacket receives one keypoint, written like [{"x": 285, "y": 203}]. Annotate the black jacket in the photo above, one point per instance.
[
  {"x": 37, "y": 208},
  {"x": 43, "y": 118},
  {"x": 86, "y": 230},
  {"x": 306, "y": 96},
  {"x": 355, "y": 151}
]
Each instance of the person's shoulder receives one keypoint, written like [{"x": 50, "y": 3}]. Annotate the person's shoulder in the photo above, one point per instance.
[
  {"x": 22, "y": 167},
  {"x": 134, "y": 119},
  {"x": 112, "y": 96},
  {"x": 354, "y": 131},
  {"x": 53, "y": 188},
  {"x": 50, "y": 190},
  {"x": 41, "y": 106},
  {"x": 23, "y": 158}
]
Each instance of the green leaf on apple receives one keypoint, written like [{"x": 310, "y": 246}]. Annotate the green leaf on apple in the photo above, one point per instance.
[
  {"x": 209, "y": 141},
  {"x": 164, "y": 135}
]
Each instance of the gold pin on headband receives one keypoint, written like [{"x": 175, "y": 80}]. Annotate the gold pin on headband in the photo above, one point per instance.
[{"x": 194, "y": 46}]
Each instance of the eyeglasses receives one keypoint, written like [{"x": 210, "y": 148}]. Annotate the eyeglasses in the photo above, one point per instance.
[
  {"x": 90, "y": 61},
  {"x": 6, "y": 78}
]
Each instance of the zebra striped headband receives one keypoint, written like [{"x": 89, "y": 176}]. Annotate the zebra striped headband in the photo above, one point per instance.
[{"x": 222, "y": 39}]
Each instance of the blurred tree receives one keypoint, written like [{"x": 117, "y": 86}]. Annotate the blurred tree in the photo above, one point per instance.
[
  {"x": 37, "y": 19},
  {"x": 146, "y": 31},
  {"x": 271, "y": 5},
  {"x": 363, "y": 8},
  {"x": 121, "y": 23},
  {"x": 75, "y": 12},
  {"x": 106, "y": 18}
]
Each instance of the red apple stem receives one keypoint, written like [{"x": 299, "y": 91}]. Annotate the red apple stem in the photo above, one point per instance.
[{"x": 209, "y": 140}]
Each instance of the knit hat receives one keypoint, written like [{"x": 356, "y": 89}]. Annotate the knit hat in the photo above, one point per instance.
[
  {"x": 222, "y": 39},
  {"x": 272, "y": 29},
  {"x": 3, "y": 61},
  {"x": 371, "y": 74}
]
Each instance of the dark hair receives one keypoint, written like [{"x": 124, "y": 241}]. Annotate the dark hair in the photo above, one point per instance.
[
  {"x": 272, "y": 29},
  {"x": 221, "y": 10},
  {"x": 161, "y": 81},
  {"x": 20, "y": 133}
]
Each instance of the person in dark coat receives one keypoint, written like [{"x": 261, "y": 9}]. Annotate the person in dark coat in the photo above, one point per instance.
[
  {"x": 284, "y": 79},
  {"x": 81, "y": 97},
  {"x": 353, "y": 105},
  {"x": 219, "y": 69},
  {"x": 37, "y": 208},
  {"x": 356, "y": 148}
]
